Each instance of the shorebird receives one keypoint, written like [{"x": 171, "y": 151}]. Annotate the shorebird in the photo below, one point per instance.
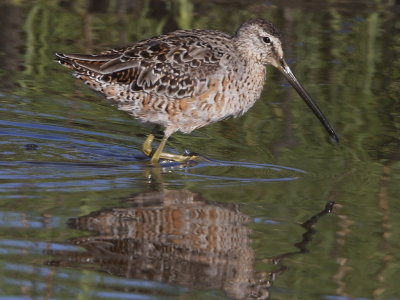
[{"x": 187, "y": 79}]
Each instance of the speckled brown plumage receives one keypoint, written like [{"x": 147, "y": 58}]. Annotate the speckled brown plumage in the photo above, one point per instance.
[{"x": 185, "y": 79}]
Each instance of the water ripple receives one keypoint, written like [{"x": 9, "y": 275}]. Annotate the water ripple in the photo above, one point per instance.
[
  {"x": 219, "y": 170},
  {"x": 40, "y": 150}
]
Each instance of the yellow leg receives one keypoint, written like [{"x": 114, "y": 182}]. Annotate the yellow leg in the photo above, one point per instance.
[
  {"x": 158, "y": 154},
  {"x": 147, "y": 145}
]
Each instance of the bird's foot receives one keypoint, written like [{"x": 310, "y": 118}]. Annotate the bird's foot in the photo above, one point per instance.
[
  {"x": 185, "y": 158},
  {"x": 158, "y": 155}
]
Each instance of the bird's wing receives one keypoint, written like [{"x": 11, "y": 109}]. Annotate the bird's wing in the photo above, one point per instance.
[{"x": 175, "y": 65}]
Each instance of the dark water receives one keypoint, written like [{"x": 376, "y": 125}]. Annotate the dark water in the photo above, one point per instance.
[{"x": 83, "y": 215}]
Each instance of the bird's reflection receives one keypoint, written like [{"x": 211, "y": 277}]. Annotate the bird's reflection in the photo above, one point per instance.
[{"x": 175, "y": 237}]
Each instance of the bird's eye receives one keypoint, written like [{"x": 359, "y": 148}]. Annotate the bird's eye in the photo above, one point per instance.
[{"x": 266, "y": 40}]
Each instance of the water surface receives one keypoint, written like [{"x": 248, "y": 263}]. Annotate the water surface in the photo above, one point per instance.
[{"x": 84, "y": 215}]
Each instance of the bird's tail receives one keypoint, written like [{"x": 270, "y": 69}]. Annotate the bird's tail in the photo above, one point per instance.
[{"x": 84, "y": 63}]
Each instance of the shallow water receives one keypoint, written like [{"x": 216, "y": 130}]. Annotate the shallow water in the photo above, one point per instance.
[{"x": 84, "y": 215}]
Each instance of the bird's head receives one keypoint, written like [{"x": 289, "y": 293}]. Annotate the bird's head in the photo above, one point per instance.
[{"x": 260, "y": 42}]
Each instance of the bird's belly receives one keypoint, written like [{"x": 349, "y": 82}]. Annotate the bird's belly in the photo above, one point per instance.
[
  {"x": 211, "y": 108},
  {"x": 220, "y": 101}
]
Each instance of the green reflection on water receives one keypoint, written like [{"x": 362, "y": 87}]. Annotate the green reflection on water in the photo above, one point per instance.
[{"x": 346, "y": 55}]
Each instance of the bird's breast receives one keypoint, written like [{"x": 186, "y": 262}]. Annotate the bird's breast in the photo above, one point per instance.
[{"x": 245, "y": 90}]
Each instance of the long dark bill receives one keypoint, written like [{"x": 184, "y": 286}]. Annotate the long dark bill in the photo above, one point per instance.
[{"x": 284, "y": 68}]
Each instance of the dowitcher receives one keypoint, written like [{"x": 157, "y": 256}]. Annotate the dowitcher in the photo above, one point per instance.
[{"x": 187, "y": 79}]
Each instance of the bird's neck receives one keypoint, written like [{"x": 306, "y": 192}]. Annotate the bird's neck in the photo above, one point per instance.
[
  {"x": 252, "y": 79},
  {"x": 247, "y": 52}
]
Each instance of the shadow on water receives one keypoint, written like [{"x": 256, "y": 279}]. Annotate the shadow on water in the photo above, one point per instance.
[{"x": 176, "y": 237}]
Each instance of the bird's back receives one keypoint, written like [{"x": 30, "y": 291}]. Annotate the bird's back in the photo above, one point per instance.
[{"x": 172, "y": 65}]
